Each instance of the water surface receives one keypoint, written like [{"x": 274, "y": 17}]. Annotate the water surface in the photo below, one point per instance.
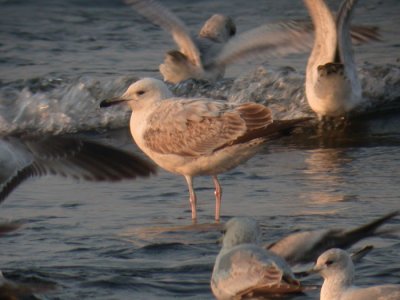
[{"x": 135, "y": 239}]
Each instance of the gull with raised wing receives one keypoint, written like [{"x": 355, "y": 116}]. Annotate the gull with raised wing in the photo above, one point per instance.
[
  {"x": 243, "y": 268},
  {"x": 332, "y": 84},
  {"x": 77, "y": 158},
  {"x": 306, "y": 246},
  {"x": 197, "y": 136},
  {"x": 337, "y": 269},
  {"x": 206, "y": 55}
]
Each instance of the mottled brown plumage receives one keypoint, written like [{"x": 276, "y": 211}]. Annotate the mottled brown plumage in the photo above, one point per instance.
[{"x": 198, "y": 136}]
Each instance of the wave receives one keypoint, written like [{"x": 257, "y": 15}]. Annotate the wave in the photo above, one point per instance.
[{"x": 57, "y": 105}]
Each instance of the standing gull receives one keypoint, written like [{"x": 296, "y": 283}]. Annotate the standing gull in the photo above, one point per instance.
[
  {"x": 306, "y": 246},
  {"x": 21, "y": 158},
  {"x": 337, "y": 269},
  {"x": 244, "y": 268},
  {"x": 207, "y": 55},
  {"x": 197, "y": 136},
  {"x": 332, "y": 85}
]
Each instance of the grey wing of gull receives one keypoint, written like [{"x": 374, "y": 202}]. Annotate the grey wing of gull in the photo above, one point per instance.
[
  {"x": 359, "y": 254},
  {"x": 275, "y": 39},
  {"x": 359, "y": 33},
  {"x": 299, "y": 247},
  {"x": 364, "y": 34},
  {"x": 163, "y": 17},
  {"x": 75, "y": 158},
  {"x": 304, "y": 247},
  {"x": 248, "y": 267},
  {"x": 344, "y": 41}
]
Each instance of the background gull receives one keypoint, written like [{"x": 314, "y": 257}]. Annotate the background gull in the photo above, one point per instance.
[
  {"x": 21, "y": 158},
  {"x": 332, "y": 84},
  {"x": 306, "y": 246},
  {"x": 337, "y": 269},
  {"x": 197, "y": 136},
  {"x": 206, "y": 55},
  {"x": 244, "y": 268}
]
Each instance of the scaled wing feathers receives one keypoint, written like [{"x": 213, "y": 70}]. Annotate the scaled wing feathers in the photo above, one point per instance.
[{"x": 200, "y": 127}]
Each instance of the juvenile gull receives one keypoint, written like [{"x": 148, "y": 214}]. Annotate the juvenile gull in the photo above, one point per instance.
[
  {"x": 332, "y": 85},
  {"x": 306, "y": 246},
  {"x": 244, "y": 268},
  {"x": 197, "y": 136},
  {"x": 337, "y": 269},
  {"x": 206, "y": 55},
  {"x": 21, "y": 158}
]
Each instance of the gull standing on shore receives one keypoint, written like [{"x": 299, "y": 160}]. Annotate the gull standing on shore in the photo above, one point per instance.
[
  {"x": 332, "y": 84},
  {"x": 197, "y": 136},
  {"x": 337, "y": 269}
]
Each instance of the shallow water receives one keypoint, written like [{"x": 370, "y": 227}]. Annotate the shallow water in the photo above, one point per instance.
[{"x": 135, "y": 239}]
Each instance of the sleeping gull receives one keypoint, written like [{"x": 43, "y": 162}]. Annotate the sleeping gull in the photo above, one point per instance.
[
  {"x": 332, "y": 85},
  {"x": 306, "y": 246},
  {"x": 337, "y": 269},
  {"x": 21, "y": 158},
  {"x": 197, "y": 136},
  {"x": 244, "y": 268},
  {"x": 206, "y": 55}
]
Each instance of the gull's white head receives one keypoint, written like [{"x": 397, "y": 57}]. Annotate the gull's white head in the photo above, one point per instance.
[
  {"x": 335, "y": 263},
  {"x": 142, "y": 93},
  {"x": 241, "y": 230},
  {"x": 218, "y": 28}
]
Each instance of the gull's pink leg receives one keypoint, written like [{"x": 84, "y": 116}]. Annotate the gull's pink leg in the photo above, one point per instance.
[
  {"x": 192, "y": 196},
  {"x": 218, "y": 194}
]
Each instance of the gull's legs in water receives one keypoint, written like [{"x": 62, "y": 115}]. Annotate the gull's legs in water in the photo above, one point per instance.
[
  {"x": 192, "y": 196},
  {"x": 218, "y": 195}
]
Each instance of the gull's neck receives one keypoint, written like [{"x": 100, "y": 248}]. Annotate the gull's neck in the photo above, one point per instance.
[{"x": 334, "y": 285}]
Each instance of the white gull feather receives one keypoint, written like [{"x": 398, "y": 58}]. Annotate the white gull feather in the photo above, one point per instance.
[
  {"x": 337, "y": 269},
  {"x": 197, "y": 136}
]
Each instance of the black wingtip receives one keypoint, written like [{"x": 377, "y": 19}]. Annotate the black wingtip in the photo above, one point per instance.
[{"x": 368, "y": 229}]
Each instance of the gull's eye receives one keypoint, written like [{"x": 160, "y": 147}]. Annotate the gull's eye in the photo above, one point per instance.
[
  {"x": 223, "y": 231},
  {"x": 139, "y": 93},
  {"x": 329, "y": 262}
]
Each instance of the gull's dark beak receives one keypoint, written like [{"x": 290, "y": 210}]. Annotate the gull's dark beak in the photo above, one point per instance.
[
  {"x": 111, "y": 101},
  {"x": 306, "y": 273}
]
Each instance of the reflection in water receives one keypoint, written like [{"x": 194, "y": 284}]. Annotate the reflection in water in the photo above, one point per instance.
[
  {"x": 164, "y": 234},
  {"x": 326, "y": 170}
]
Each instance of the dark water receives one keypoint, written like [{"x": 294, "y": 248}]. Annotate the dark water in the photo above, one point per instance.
[{"x": 134, "y": 239}]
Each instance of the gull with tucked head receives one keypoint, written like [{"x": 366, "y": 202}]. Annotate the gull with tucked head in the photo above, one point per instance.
[
  {"x": 243, "y": 268},
  {"x": 337, "y": 269},
  {"x": 198, "y": 136}
]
